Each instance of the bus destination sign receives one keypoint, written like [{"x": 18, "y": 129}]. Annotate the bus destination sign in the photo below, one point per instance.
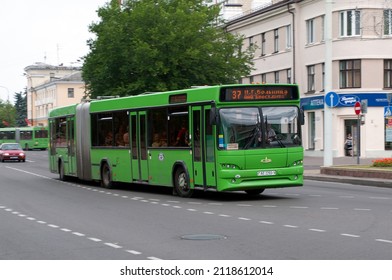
[{"x": 259, "y": 93}]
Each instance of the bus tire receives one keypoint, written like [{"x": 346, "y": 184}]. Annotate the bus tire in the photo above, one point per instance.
[
  {"x": 106, "y": 176},
  {"x": 255, "y": 191},
  {"x": 181, "y": 183}
]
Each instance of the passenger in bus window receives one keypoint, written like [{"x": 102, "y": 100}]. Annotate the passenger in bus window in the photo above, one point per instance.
[
  {"x": 126, "y": 137},
  {"x": 109, "y": 139},
  {"x": 156, "y": 140},
  {"x": 164, "y": 139},
  {"x": 271, "y": 135},
  {"x": 182, "y": 136},
  {"x": 120, "y": 136}
]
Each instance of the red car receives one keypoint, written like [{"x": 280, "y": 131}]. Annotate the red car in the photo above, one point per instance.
[{"x": 12, "y": 151}]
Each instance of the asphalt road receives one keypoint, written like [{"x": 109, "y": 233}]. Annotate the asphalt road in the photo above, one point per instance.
[{"x": 44, "y": 218}]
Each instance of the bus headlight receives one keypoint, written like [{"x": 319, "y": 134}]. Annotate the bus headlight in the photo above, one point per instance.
[
  {"x": 297, "y": 162},
  {"x": 229, "y": 166}
]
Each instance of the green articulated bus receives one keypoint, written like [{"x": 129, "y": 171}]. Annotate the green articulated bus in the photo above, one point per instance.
[
  {"x": 29, "y": 137},
  {"x": 223, "y": 138}
]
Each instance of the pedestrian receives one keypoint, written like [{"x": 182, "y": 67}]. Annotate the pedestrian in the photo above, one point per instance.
[{"x": 348, "y": 145}]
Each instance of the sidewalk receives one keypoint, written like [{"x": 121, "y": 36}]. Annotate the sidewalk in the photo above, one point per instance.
[{"x": 312, "y": 167}]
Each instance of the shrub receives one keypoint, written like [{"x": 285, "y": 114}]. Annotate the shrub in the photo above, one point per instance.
[{"x": 384, "y": 162}]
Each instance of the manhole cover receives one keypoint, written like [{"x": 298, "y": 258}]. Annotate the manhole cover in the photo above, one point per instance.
[{"x": 203, "y": 237}]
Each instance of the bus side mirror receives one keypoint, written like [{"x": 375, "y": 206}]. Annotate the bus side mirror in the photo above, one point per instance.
[{"x": 301, "y": 116}]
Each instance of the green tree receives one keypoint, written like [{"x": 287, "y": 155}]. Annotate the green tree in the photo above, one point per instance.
[
  {"x": 7, "y": 114},
  {"x": 161, "y": 45},
  {"x": 21, "y": 108}
]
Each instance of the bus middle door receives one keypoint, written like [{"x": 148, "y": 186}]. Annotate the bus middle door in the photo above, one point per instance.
[
  {"x": 203, "y": 147},
  {"x": 71, "y": 145},
  {"x": 138, "y": 144}
]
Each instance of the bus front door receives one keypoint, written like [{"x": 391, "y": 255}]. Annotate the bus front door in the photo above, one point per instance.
[
  {"x": 203, "y": 143},
  {"x": 138, "y": 144}
]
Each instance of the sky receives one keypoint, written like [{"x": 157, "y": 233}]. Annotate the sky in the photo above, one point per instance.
[{"x": 48, "y": 31}]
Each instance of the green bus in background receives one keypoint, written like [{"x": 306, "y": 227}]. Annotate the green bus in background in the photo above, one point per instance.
[
  {"x": 29, "y": 137},
  {"x": 224, "y": 138}
]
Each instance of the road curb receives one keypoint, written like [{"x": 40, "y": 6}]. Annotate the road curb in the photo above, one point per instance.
[{"x": 351, "y": 180}]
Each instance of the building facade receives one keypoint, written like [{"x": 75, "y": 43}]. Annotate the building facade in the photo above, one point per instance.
[
  {"x": 289, "y": 36},
  {"x": 49, "y": 87}
]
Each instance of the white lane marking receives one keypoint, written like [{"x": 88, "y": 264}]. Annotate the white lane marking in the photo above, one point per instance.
[
  {"x": 133, "y": 252},
  {"x": 384, "y": 240},
  {"x": 113, "y": 245},
  {"x": 244, "y": 219},
  {"x": 95, "y": 239},
  {"x": 290, "y": 226},
  {"x": 299, "y": 207},
  {"x": 266, "y": 222},
  {"x": 317, "y": 230},
  {"x": 362, "y": 209},
  {"x": 224, "y": 215},
  {"x": 78, "y": 233},
  {"x": 154, "y": 258},
  {"x": 329, "y": 208},
  {"x": 53, "y": 226},
  {"x": 350, "y": 235}
]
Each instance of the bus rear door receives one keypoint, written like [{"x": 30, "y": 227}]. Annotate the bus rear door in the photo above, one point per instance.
[
  {"x": 203, "y": 143},
  {"x": 138, "y": 143}
]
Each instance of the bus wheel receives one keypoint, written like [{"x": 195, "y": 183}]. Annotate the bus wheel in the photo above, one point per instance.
[
  {"x": 254, "y": 192},
  {"x": 106, "y": 178},
  {"x": 181, "y": 183}
]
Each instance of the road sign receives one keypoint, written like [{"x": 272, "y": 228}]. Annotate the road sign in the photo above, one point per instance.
[
  {"x": 387, "y": 111},
  {"x": 331, "y": 99},
  {"x": 357, "y": 107}
]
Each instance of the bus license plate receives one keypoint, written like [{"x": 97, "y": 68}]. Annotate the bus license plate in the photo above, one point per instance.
[{"x": 266, "y": 173}]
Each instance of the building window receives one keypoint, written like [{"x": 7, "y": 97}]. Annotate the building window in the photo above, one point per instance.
[
  {"x": 251, "y": 79},
  {"x": 388, "y": 73},
  {"x": 262, "y": 44},
  {"x": 264, "y": 78},
  {"x": 276, "y": 74},
  {"x": 388, "y": 22},
  {"x": 276, "y": 40},
  {"x": 288, "y": 37},
  {"x": 350, "y": 23},
  {"x": 71, "y": 93},
  {"x": 310, "y": 31},
  {"x": 250, "y": 41},
  {"x": 311, "y": 78},
  {"x": 350, "y": 73},
  {"x": 289, "y": 76},
  {"x": 323, "y": 28}
]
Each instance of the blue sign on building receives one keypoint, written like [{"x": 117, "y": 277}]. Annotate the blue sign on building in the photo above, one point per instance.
[
  {"x": 332, "y": 99},
  {"x": 344, "y": 100}
]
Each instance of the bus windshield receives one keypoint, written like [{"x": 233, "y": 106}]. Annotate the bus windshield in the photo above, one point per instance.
[{"x": 259, "y": 127}]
